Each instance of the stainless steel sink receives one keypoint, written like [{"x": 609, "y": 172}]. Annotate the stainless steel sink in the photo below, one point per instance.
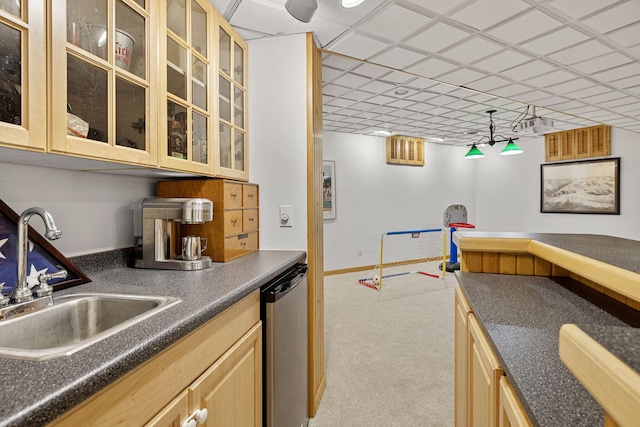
[{"x": 74, "y": 322}]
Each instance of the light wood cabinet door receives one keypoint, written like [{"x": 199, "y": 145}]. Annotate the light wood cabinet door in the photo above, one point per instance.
[
  {"x": 187, "y": 117},
  {"x": 462, "y": 311},
  {"x": 231, "y": 389},
  {"x": 511, "y": 412},
  {"x": 23, "y": 76},
  {"x": 484, "y": 374},
  {"x": 174, "y": 414},
  {"x": 231, "y": 90},
  {"x": 104, "y": 64},
  {"x": 405, "y": 150}
]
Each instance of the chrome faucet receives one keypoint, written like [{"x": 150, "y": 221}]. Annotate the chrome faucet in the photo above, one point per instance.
[{"x": 22, "y": 293}]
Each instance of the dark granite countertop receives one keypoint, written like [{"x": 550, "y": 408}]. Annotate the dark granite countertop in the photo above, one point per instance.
[
  {"x": 35, "y": 393},
  {"x": 608, "y": 249},
  {"x": 522, "y": 316}
]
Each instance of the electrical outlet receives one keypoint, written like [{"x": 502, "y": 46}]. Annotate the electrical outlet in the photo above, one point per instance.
[{"x": 285, "y": 216}]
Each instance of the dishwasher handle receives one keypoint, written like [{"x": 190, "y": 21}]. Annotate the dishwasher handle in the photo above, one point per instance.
[{"x": 285, "y": 283}]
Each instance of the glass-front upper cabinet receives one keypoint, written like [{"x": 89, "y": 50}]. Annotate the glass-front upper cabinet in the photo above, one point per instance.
[
  {"x": 23, "y": 66},
  {"x": 186, "y": 127},
  {"x": 232, "y": 104},
  {"x": 104, "y": 79}
]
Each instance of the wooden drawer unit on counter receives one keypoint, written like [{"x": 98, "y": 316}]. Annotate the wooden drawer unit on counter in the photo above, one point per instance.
[{"x": 234, "y": 229}]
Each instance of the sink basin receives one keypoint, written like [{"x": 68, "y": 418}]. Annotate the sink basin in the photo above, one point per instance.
[{"x": 74, "y": 322}]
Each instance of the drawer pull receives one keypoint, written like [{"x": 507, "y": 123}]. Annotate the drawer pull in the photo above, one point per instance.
[
  {"x": 233, "y": 195},
  {"x": 250, "y": 195},
  {"x": 251, "y": 219},
  {"x": 234, "y": 221}
]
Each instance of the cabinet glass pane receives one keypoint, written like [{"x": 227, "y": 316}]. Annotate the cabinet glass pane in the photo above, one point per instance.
[
  {"x": 141, "y": 3},
  {"x": 177, "y": 117},
  {"x": 130, "y": 43},
  {"x": 177, "y": 17},
  {"x": 225, "y": 52},
  {"x": 239, "y": 150},
  {"x": 130, "y": 115},
  {"x": 87, "y": 25},
  {"x": 199, "y": 84},
  {"x": 238, "y": 64},
  {"x": 87, "y": 97},
  {"x": 199, "y": 139},
  {"x": 238, "y": 107},
  {"x": 225, "y": 146},
  {"x": 176, "y": 66},
  {"x": 11, "y": 6},
  {"x": 10, "y": 75},
  {"x": 225, "y": 99},
  {"x": 198, "y": 28}
]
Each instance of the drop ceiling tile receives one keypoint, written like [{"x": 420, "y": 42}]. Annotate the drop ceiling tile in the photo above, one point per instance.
[
  {"x": 483, "y": 14},
  {"x": 579, "y": 8},
  {"x": 568, "y": 105},
  {"x": 626, "y": 83},
  {"x": 528, "y": 70},
  {"x": 489, "y": 84},
  {"x": 380, "y": 99},
  {"x": 622, "y": 101},
  {"x": 328, "y": 74},
  {"x": 339, "y": 62},
  {"x": 635, "y": 50},
  {"x": 358, "y": 95},
  {"x": 534, "y": 95},
  {"x": 586, "y": 109},
  {"x": 394, "y": 23},
  {"x": 586, "y": 50},
  {"x": 557, "y": 40},
  {"x": 551, "y": 78},
  {"x": 605, "y": 62},
  {"x": 401, "y": 103},
  {"x": 525, "y": 27},
  {"x": 460, "y": 104},
  {"x": 351, "y": 80},
  {"x": 377, "y": 86},
  {"x": 334, "y": 90},
  {"x": 590, "y": 91},
  {"x": 422, "y": 96},
  {"x": 624, "y": 71},
  {"x": 511, "y": 91},
  {"x": 472, "y": 50},
  {"x": 623, "y": 109},
  {"x": 502, "y": 61},
  {"x": 396, "y": 77},
  {"x": 437, "y": 37},
  {"x": 627, "y": 36},
  {"x": 607, "y": 96},
  {"x": 338, "y": 102},
  {"x": 370, "y": 70},
  {"x": 420, "y": 83},
  {"x": 570, "y": 86},
  {"x": 615, "y": 17},
  {"x": 358, "y": 46},
  {"x": 462, "y": 76},
  {"x": 397, "y": 57},
  {"x": 382, "y": 109},
  {"x": 431, "y": 67}
]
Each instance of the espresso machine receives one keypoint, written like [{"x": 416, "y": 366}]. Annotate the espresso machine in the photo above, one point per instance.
[{"x": 158, "y": 243}]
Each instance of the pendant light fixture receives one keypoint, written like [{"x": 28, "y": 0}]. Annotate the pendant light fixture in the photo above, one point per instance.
[{"x": 510, "y": 149}]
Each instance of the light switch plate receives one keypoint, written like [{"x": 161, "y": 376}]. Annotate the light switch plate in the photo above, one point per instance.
[{"x": 285, "y": 216}]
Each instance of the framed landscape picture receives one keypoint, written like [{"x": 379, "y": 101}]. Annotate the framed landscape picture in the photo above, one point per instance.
[
  {"x": 586, "y": 186},
  {"x": 328, "y": 189}
]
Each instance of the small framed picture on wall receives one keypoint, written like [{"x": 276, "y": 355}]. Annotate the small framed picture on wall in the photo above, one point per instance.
[{"x": 329, "y": 189}]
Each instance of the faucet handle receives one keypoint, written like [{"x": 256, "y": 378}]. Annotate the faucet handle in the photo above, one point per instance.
[
  {"x": 4, "y": 300},
  {"x": 44, "y": 288}
]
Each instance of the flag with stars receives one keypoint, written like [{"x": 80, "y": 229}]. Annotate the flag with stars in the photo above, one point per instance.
[{"x": 38, "y": 261}]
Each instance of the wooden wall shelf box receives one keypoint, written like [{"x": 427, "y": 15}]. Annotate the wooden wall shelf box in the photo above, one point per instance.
[
  {"x": 594, "y": 141},
  {"x": 405, "y": 150}
]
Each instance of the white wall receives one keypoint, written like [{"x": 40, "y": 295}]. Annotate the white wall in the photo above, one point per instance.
[
  {"x": 91, "y": 209},
  {"x": 373, "y": 197},
  {"x": 278, "y": 136},
  {"x": 508, "y": 193}
]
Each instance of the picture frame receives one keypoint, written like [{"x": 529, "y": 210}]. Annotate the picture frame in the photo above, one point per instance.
[
  {"x": 42, "y": 257},
  {"x": 581, "y": 187},
  {"x": 329, "y": 189}
]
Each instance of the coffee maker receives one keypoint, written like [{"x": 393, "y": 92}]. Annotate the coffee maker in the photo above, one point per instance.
[{"x": 157, "y": 232}]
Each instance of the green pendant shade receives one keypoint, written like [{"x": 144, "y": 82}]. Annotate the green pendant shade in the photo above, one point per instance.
[
  {"x": 474, "y": 153},
  {"x": 511, "y": 149}
]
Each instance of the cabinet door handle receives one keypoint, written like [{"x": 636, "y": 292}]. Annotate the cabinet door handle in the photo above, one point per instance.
[
  {"x": 199, "y": 416},
  {"x": 233, "y": 195},
  {"x": 233, "y": 221}
]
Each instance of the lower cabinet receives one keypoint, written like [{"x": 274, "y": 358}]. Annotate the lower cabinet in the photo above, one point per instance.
[
  {"x": 230, "y": 390},
  {"x": 483, "y": 395},
  {"x": 217, "y": 367},
  {"x": 511, "y": 413}
]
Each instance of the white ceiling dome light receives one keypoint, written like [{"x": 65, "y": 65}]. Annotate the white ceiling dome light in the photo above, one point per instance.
[{"x": 350, "y": 3}]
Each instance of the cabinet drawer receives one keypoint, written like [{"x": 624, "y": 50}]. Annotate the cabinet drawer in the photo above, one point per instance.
[
  {"x": 232, "y": 195},
  {"x": 233, "y": 222},
  {"x": 250, "y": 196},
  {"x": 240, "y": 245},
  {"x": 250, "y": 220}
]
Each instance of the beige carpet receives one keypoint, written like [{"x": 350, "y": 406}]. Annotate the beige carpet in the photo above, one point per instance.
[{"x": 389, "y": 353}]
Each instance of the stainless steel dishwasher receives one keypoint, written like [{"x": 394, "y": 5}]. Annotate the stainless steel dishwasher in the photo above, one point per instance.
[{"x": 285, "y": 337}]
